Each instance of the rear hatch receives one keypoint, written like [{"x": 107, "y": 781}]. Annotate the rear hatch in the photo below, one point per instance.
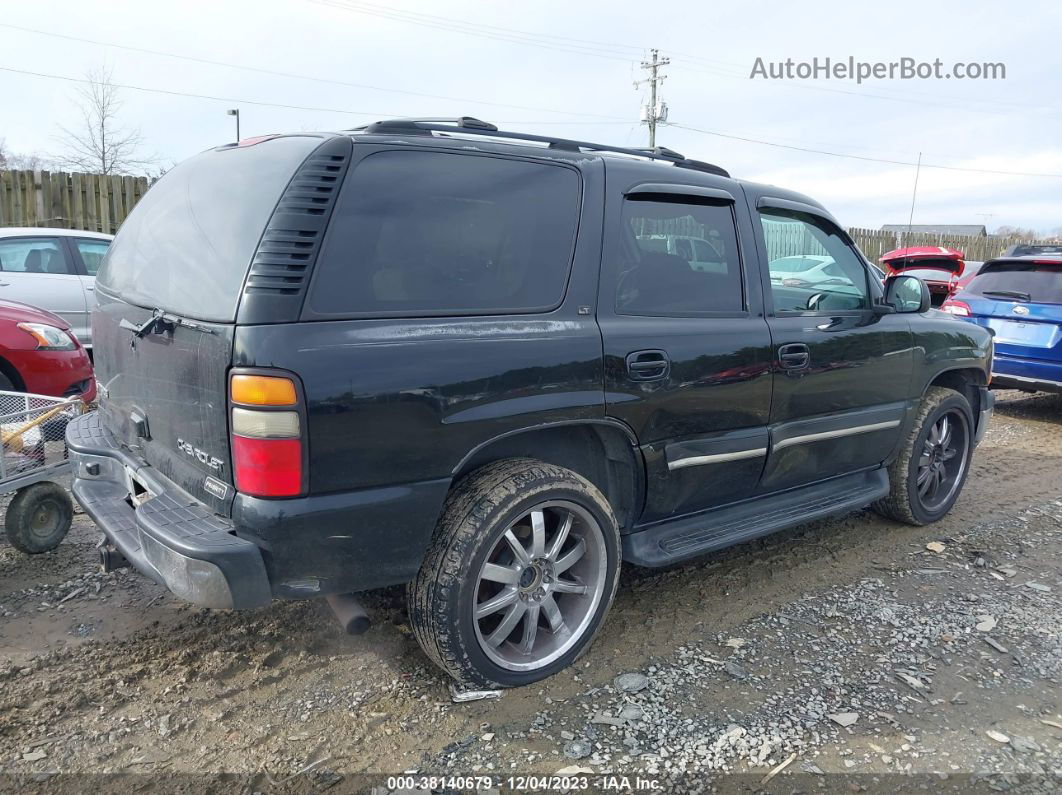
[
  {"x": 1020, "y": 299},
  {"x": 182, "y": 258},
  {"x": 939, "y": 267}
]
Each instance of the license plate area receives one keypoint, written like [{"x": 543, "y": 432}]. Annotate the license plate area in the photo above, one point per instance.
[{"x": 1038, "y": 335}]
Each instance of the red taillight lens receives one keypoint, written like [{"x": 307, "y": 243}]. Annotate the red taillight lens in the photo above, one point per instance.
[
  {"x": 267, "y": 467},
  {"x": 267, "y": 442},
  {"x": 957, "y": 308}
]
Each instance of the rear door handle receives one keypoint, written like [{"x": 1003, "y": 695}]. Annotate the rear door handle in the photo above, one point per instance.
[
  {"x": 794, "y": 356},
  {"x": 651, "y": 365}
]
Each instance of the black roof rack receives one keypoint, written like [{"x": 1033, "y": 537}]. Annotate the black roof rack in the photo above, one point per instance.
[{"x": 469, "y": 125}]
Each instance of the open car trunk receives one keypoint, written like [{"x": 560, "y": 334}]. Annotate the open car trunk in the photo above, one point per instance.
[{"x": 937, "y": 266}]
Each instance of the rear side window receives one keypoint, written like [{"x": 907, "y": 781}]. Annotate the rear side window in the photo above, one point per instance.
[
  {"x": 188, "y": 243},
  {"x": 436, "y": 233},
  {"x": 679, "y": 258},
  {"x": 92, "y": 253},
  {"x": 1024, "y": 281}
]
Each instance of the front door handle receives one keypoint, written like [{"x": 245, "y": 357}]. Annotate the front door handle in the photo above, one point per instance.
[
  {"x": 794, "y": 356},
  {"x": 651, "y": 365}
]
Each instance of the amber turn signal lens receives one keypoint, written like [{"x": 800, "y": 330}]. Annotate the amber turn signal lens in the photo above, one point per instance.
[{"x": 262, "y": 390}]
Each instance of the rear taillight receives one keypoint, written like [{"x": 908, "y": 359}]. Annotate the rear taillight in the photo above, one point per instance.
[
  {"x": 957, "y": 308},
  {"x": 268, "y": 435}
]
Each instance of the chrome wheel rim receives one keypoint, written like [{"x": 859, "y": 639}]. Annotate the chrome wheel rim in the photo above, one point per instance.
[
  {"x": 942, "y": 462},
  {"x": 540, "y": 586}
]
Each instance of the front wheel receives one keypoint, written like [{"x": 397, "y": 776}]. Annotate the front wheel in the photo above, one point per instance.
[
  {"x": 928, "y": 474},
  {"x": 519, "y": 576}
]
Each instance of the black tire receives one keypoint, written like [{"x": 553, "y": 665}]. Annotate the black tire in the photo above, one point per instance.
[
  {"x": 6, "y": 385},
  {"x": 904, "y": 502},
  {"x": 39, "y": 517},
  {"x": 480, "y": 509}
]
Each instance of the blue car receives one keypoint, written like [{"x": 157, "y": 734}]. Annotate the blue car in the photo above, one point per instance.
[{"x": 1020, "y": 299}]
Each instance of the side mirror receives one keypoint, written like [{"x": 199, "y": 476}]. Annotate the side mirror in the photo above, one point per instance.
[{"x": 907, "y": 293}]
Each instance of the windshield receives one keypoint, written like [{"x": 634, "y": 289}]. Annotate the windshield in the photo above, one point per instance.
[
  {"x": 188, "y": 243},
  {"x": 1042, "y": 283}
]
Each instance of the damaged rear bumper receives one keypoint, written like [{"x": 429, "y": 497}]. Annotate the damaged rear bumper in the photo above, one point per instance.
[{"x": 170, "y": 537}]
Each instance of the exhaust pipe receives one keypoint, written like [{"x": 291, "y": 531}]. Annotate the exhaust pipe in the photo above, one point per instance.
[{"x": 349, "y": 612}]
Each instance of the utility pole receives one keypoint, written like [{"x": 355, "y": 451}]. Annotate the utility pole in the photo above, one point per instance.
[{"x": 655, "y": 111}]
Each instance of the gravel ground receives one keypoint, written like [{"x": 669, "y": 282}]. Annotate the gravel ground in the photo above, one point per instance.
[{"x": 854, "y": 654}]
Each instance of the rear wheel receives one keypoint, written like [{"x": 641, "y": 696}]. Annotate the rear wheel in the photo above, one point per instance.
[
  {"x": 39, "y": 517},
  {"x": 928, "y": 474},
  {"x": 518, "y": 579}
]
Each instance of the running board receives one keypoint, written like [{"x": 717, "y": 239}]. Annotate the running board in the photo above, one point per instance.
[{"x": 688, "y": 537}]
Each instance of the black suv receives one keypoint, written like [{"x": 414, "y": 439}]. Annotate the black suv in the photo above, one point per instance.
[{"x": 492, "y": 366}]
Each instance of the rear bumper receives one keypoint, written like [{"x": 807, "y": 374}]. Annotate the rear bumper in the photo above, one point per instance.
[
  {"x": 294, "y": 548},
  {"x": 171, "y": 538},
  {"x": 1013, "y": 372}
]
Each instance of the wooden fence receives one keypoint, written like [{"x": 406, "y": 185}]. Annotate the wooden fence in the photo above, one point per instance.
[
  {"x": 977, "y": 248},
  {"x": 95, "y": 202}
]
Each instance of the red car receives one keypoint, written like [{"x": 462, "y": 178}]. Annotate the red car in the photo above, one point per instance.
[
  {"x": 939, "y": 267},
  {"x": 39, "y": 354}
]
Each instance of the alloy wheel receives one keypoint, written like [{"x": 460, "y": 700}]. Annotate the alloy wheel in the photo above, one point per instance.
[
  {"x": 540, "y": 586},
  {"x": 942, "y": 461}
]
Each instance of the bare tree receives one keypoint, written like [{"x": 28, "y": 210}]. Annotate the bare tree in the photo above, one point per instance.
[
  {"x": 100, "y": 144},
  {"x": 1016, "y": 231},
  {"x": 21, "y": 160}
]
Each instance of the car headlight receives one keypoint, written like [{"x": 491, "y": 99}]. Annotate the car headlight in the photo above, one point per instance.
[{"x": 49, "y": 338}]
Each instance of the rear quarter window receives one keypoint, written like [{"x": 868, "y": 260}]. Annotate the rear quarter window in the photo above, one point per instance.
[
  {"x": 188, "y": 243},
  {"x": 434, "y": 233}
]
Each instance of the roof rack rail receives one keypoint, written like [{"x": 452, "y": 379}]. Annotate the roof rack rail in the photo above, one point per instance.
[{"x": 469, "y": 125}]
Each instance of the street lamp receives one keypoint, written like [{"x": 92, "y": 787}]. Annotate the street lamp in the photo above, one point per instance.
[{"x": 235, "y": 112}]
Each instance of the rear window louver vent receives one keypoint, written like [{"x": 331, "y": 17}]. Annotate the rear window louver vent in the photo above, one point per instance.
[{"x": 288, "y": 249}]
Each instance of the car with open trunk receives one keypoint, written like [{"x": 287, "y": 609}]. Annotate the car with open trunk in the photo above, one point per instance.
[{"x": 477, "y": 362}]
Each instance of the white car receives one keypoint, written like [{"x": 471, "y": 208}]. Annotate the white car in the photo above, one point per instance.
[
  {"x": 701, "y": 254},
  {"x": 53, "y": 269}
]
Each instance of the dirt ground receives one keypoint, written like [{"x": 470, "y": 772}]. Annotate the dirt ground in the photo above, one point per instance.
[{"x": 847, "y": 653}]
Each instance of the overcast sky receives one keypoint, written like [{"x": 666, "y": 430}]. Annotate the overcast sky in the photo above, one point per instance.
[{"x": 566, "y": 67}]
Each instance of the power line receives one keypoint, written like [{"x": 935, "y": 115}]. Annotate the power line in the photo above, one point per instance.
[
  {"x": 263, "y": 103},
  {"x": 860, "y": 157},
  {"x": 278, "y": 73},
  {"x": 613, "y": 51},
  {"x": 456, "y": 26},
  {"x": 377, "y": 114}
]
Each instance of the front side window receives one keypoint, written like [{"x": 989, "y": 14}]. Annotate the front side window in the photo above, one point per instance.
[
  {"x": 441, "y": 233},
  {"x": 678, "y": 258},
  {"x": 32, "y": 255},
  {"x": 812, "y": 267}
]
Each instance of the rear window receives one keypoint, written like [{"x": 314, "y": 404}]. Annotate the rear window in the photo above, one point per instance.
[
  {"x": 445, "y": 233},
  {"x": 188, "y": 243},
  {"x": 1041, "y": 283}
]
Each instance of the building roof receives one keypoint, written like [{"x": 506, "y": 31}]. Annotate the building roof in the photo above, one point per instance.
[{"x": 939, "y": 229}]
